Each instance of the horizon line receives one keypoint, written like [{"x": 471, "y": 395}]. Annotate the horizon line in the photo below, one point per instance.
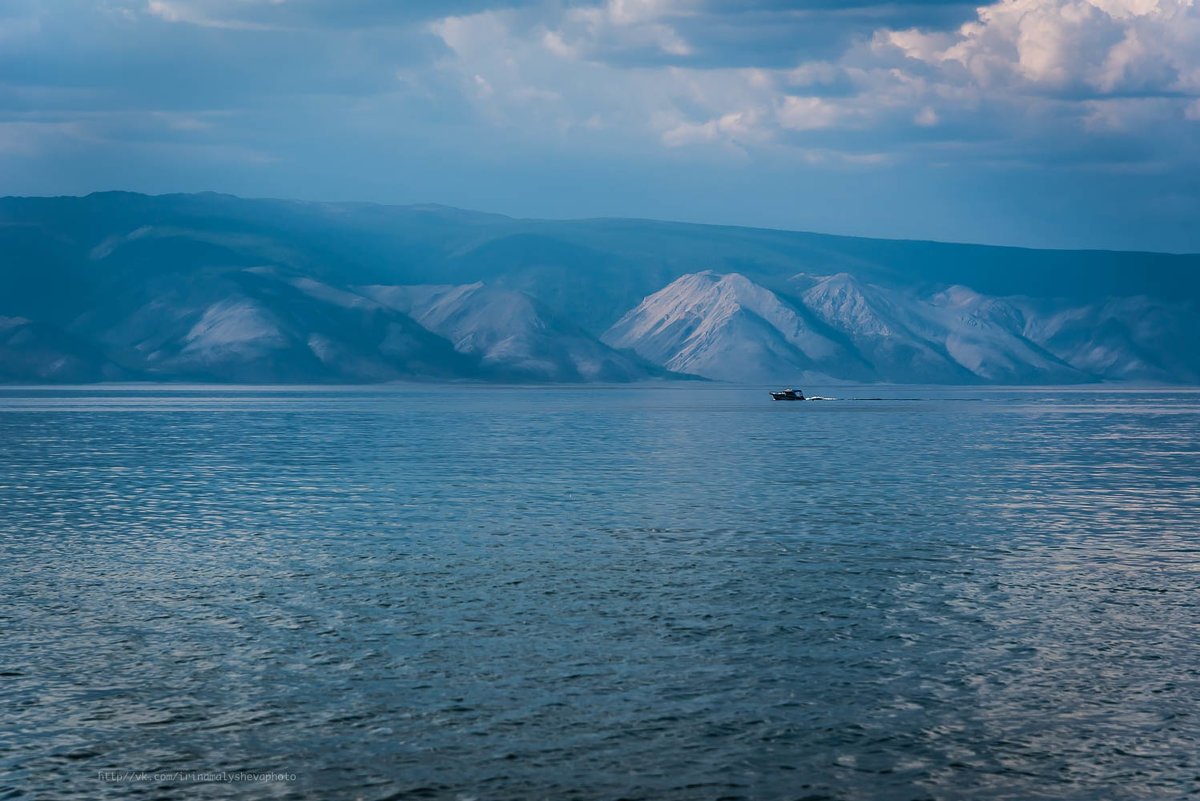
[{"x": 660, "y": 221}]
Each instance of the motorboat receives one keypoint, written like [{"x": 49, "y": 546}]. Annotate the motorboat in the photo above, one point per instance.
[{"x": 789, "y": 394}]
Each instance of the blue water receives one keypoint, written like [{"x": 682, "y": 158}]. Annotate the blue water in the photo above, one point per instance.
[{"x": 638, "y": 593}]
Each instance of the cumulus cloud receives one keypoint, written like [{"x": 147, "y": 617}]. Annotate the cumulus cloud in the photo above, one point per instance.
[
  {"x": 807, "y": 113},
  {"x": 623, "y": 25},
  {"x": 1070, "y": 46},
  {"x": 1027, "y": 71},
  {"x": 734, "y": 130}
]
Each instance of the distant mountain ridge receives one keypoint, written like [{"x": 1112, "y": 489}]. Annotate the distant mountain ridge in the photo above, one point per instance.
[
  {"x": 836, "y": 328},
  {"x": 122, "y": 286}
]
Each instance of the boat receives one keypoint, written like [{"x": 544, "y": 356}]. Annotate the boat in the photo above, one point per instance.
[{"x": 788, "y": 394}]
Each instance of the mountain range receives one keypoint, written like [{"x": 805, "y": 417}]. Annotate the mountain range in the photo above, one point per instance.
[{"x": 120, "y": 286}]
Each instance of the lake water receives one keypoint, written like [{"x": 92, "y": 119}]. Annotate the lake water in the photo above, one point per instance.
[{"x": 644, "y": 593}]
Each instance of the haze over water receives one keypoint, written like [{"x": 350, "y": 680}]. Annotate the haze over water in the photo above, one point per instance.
[{"x": 677, "y": 592}]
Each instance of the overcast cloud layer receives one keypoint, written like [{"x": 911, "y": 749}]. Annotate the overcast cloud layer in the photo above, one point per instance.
[{"x": 1037, "y": 122}]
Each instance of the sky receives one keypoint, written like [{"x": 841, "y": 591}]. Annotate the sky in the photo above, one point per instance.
[{"x": 1043, "y": 123}]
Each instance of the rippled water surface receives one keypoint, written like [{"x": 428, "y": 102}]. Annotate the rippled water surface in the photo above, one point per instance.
[{"x": 639, "y": 593}]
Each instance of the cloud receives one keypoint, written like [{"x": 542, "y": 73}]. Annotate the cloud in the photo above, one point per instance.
[
  {"x": 1033, "y": 73},
  {"x": 576, "y": 69},
  {"x": 927, "y": 117},
  {"x": 206, "y": 14},
  {"x": 807, "y": 113},
  {"x": 1069, "y": 47},
  {"x": 292, "y": 15},
  {"x": 735, "y": 129},
  {"x": 623, "y": 26}
]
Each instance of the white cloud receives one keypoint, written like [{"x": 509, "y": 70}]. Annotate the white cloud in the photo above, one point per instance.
[
  {"x": 813, "y": 73},
  {"x": 623, "y": 25},
  {"x": 211, "y": 13},
  {"x": 807, "y": 113},
  {"x": 538, "y": 76},
  {"x": 514, "y": 78},
  {"x": 1029, "y": 74},
  {"x": 1103, "y": 46},
  {"x": 926, "y": 117},
  {"x": 737, "y": 128}
]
